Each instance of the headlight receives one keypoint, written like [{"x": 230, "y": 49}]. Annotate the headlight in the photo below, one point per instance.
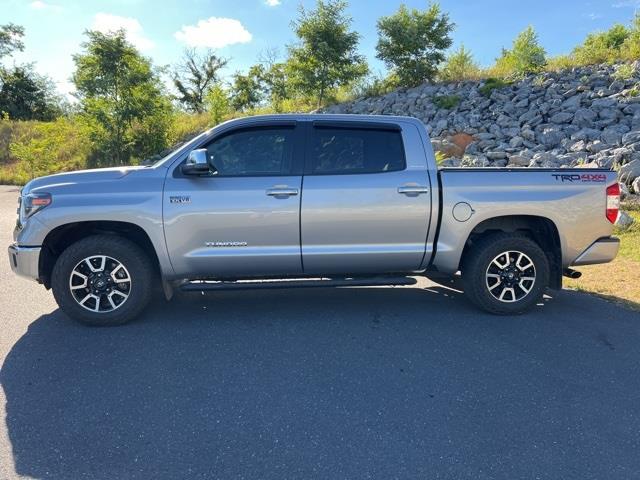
[{"x": 33, "y": 203}]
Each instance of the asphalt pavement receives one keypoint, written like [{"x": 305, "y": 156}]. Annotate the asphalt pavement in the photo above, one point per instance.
[{"x": 381, "y": 383}]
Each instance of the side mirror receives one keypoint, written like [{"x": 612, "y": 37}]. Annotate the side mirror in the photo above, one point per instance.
[{"x": 196, "y": 163}]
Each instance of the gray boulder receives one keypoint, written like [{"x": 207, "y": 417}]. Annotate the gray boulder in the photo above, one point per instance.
[
  {"x": 561, "y": 117},
  {"x": 629, "y": 172},
  {"x": 551, "y": 136}
]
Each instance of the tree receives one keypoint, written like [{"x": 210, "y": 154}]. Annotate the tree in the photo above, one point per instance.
[
  {"x": 25, "y": 95},
  {"x": 11, "y": 39},
  {"x": 460, "y": 66},
  {"x": 217, "y": 102},
  {"x": 248, "y": 90},
  {"x": 326, "y": 55},
  {"x": 526, "y": 55},
  {"x": 195, "y": 76},
  {"x": 277, "y": 83},
  {"x": 412, "y": 43},
  {"x": 122, "y": 99}
]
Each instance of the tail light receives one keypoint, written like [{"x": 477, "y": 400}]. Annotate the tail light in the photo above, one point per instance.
[{"x": 613, "y": 202}]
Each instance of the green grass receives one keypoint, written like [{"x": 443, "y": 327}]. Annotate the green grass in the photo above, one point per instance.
[
  {"x": 630, "y": 238},
  {"x": 618, "y": 281},
  {"x": 446, "y": 102},
  {"x": 491, "y": 84}
]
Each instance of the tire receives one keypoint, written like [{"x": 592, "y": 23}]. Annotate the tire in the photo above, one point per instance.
[
  {"x": 123, "y": 291},
  {"x": 484, "y": 281}
]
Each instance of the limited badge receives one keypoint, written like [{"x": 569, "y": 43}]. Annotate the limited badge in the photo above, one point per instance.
[{"x": 179, "y": 199}]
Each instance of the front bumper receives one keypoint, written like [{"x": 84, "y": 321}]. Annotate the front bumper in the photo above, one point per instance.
[
  {"x": 24, "y": 261},
  {"x": 600, "y": 251}
]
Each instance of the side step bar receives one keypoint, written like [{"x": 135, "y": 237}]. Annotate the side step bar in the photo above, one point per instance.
[{"x": 205, "y": 285}]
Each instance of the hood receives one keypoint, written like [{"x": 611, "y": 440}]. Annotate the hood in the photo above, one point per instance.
[{"x": 80, "y": 176}]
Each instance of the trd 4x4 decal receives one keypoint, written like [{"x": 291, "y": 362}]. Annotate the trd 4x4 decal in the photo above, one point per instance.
[{"x": 582, "y": 177}]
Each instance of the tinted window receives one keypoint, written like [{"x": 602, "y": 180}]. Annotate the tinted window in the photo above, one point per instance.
[
  {"x": 344, "y": 150},
  {"x": 253, "y": 152}
]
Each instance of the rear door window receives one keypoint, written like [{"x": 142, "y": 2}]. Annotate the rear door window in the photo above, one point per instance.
[{"x": 339, "y": 151}]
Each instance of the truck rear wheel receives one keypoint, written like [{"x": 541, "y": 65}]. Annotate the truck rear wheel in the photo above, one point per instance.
[
  {"x": 103, "y": 280},
  {"x": 505, "y": 273}
]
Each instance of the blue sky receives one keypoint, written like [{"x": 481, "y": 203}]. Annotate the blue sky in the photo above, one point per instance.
[{"x": 241, "y": 29}]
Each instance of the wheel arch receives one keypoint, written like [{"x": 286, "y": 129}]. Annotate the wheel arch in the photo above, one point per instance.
[
  {"x": 542, "y": 230},
  {"x": 58, "y": 239}
]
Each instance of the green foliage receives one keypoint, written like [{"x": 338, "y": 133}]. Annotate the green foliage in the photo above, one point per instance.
[
  {"x": 218, "y": 104},
  {"x": 560, "y": 62},
  {"x": 412, "y": 43},
  {"x": 601, "y": 47},
  {"x": 526, "y": 56},
  {"x": 11, "y": 39},
  {"x": 122, "y": 100},
  {"x": 277, "y": 85},
  {"x": 248, "y": 90},
  {"x": 490, "y": 84},
  {"x": 25, "y": 95},
  {"x": 624, "y": 72},
  {"x": 460, "y": 67},
  {"x": 373, "y": 86},
  {"x": 446, "y": 102},
  {"x": 195, "y": 76},
  {"x": 326, "y": 55},
  {"x": 42, "y": 148},
  {"x": 440, "y": 157}
]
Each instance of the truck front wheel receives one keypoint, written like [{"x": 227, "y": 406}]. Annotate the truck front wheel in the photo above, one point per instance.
[
  {"x": 505, "y": 274},
  {"x": 103, "y": 280}
]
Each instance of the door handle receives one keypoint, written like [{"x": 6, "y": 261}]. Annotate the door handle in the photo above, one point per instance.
[
  {"x": 282, "y": 192},
  {"x": 412, "y": 190}
]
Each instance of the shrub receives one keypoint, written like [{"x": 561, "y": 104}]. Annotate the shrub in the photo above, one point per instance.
[
  {"x": 526, "y": 56},
  {"x": 561, "y": 62},
  {"x": 43, "y": 148},
  {"x": 459, "y": 67},
  {"x": 446, "y": 102},
  {"x": 624, "y": 72},
  {"x": 601, "y": 47},
  {"x": 491, "y": 84}
]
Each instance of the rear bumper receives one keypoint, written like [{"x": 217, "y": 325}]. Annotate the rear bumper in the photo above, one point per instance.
[
  {"x": 24, "y": 261},
  {"x": 601, "y": 251}
]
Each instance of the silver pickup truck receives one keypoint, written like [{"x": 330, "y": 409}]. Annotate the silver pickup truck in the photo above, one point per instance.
[{"x": 308, "y": 200}]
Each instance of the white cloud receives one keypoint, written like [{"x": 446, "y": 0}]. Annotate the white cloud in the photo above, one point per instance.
[
  {"x": 214, "y": 32},
  {"x": 272, "y": 3},
  {"x": 105, "y": 23},
  {"x": 40, "y": 5},
  {"x": 592, "y": 16}
]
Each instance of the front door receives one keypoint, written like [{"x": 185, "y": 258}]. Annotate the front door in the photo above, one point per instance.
[
  {"x": 243, "y": 219},
  {"x": 366, "y": 203}
]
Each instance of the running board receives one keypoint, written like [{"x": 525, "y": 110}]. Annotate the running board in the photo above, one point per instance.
[{"x": 198, "y": 286}]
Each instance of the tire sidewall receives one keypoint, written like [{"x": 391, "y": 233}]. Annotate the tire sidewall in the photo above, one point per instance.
[{"x": 120, "y": 249}]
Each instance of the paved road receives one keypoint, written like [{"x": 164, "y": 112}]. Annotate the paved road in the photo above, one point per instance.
[{"x": 353, "y": 383}]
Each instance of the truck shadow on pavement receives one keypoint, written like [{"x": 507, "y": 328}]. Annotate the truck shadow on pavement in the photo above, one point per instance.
[{"x": 380, "y": 382}]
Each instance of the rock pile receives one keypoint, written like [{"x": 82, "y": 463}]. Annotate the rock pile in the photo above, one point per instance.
[{"x": 587, "y": 116}]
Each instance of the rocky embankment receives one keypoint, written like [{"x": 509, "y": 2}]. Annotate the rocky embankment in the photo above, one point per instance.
[{"x": 586, "y": 117}]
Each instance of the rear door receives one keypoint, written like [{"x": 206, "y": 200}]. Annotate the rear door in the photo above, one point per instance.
[{"x": 366, "y": 200}]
